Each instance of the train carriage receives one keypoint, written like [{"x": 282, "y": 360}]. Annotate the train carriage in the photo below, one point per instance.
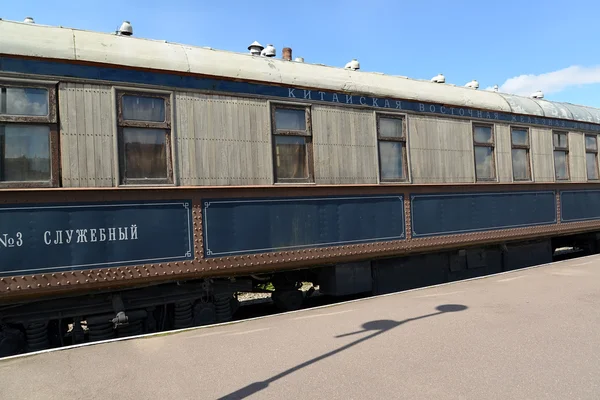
[{"x": 144, "y": 183}]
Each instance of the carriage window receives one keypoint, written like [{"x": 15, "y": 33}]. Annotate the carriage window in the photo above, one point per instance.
[
  {"x": 145, "y": 138},
  {"x": 28, "y": 136},
  {"x": 391, "y": 138},
  {"x": 292, "y": 144},
  {"x": 520, "y": 154},
  {"x": 561, "y": 155},
  {"x": 591, "y": 156},
  {"x": 483, "y": 143}
]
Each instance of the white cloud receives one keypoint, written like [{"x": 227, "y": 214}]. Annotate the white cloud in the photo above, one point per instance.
[{"x": 551, "y": 82}]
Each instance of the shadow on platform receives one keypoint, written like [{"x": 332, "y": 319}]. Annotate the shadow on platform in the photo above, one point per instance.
[{"x": 377, "y": 327}]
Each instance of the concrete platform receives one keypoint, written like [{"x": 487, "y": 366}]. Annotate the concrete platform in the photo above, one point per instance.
[{"x": 529, "y": 334}]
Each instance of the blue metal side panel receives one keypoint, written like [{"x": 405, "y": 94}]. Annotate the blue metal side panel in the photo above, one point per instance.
[
  {"x": 579, "y": 205},
  {"x": 447, "y": 214},
  {"x": 246, "y": 226},
  {"x": 45, "y": 238}
]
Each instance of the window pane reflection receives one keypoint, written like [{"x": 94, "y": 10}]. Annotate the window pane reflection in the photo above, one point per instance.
[
  {"x": 590, "y": 143},
  {"x": 483, "y": 134},
  {"x": 560, "y": 165},
  {"x": 25, "y": 153},
  {"x": 390, "y": 127},
  {"x": 139, "y": 108},
  {"x": 484, "y": 162},
  {"x": 520, "y": 137},
  {"x": 145, "y": 153},
  {"x": 560, "y": 140},
  {"x": 391, "y": 154},
  {"x": 291, "y": 154},
  {"x": 591, "y": 165},
  {"x": 520, "y": 164},
  {"x": 289, "y": 119},
  {"x": 25, "y": 101}
]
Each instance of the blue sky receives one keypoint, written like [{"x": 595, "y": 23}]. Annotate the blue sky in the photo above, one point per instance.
[{"x": 550, "y": 45}]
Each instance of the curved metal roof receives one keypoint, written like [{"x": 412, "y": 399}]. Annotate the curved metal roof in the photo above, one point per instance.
[{"x": 70, "y": 44}]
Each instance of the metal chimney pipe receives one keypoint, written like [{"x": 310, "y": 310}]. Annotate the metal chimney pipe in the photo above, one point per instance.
[{"x": 286, "y": 54}]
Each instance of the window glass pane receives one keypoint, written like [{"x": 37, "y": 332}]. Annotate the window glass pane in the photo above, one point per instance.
[
  {"x": 484, "y": 161},
  {"x": 288, "y": 119},
  {"x": 139, "y": 108},
  {"x": 560, "y": 165},
  {"x": 562, "y": 140},
  {"x": 590, "y": 143},
  {"x": 520, "y": 164},
  {"x": 145, "y": 153},
  {"x": 390, "y": 156},
  {"x": 290, "y": 153},
  {"x": 26, "y": 101},
  {"x": 390, "y": 127},
  {"x": 592, "y": 167},
  {"x": 25, "y": 153},
  {"x": 555, "y": 139},
  {"x": 483, "y": 134},
  {"x": 520, "y": 137}
]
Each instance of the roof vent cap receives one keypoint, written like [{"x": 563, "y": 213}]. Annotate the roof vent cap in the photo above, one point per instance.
[
  {"x": 255, "y": 48},
  {"x": 299, "y": 59},
  {"x": 353, "y": 65},
  {"x": 440, "y": 78},
  {"x": 29, "y": 20},
  {"x": 269, "y": 51},
  {"x": 126, "y": 29},
  {"x": 473, "y": 84},
  {"x": 538, "y": 95}
]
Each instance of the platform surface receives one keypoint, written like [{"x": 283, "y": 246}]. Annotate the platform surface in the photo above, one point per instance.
[{"x": 530, "y": 334}]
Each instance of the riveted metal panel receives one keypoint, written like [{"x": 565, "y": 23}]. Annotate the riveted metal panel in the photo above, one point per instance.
[
  {"x": 20, "y": 287},
  {"x": 448, "y": 214},
  {"x": 58, "y": 237},
  {"x": 579, "y": 205},
  {"x": 259, "y": 225}
]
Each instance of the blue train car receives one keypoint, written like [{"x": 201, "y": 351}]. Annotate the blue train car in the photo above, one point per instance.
[{"x": 145, "y": 183}]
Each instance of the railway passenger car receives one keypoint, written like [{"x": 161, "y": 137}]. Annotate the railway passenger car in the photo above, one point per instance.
[{"x": 144, "y": 183}]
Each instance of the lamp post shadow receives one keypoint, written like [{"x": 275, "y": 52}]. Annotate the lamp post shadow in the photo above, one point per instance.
[{"x": 377, "y": 327}]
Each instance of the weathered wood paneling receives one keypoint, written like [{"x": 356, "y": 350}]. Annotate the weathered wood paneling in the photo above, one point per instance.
[
  {"x": 441, "y": 150},
  {"x": 222, "y": 140},
  {"x": 577, "y": 168},
  {"x": 344, "y": 145},
  {"x": 542, "y": 152},
  {"x": 503, "y": 153},
  {"x": 86, "y": 130}
]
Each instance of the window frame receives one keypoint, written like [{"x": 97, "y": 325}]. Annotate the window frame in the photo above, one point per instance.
[
  {"x": 165, "y": 125},
  {"x": 403, "y": 139},
  {"x": 527, "y": 148},
  {"x": 483, "y": 144},
  {"x": 49, "y": 120},
  {"x": 563, "y": 150},
  {"x": 306, "y": 133},
  {"x": 595, "y": 152}
]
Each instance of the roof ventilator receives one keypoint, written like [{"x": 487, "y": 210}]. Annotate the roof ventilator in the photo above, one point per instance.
[
  {"x": 440, "y": 78},
  {"x": 255, "y": 48},
  {"x": 538, "y": 95},
  {"x": 29, "y": 20},
  {"x": 353, "y": 65},
  {"x": 269, "y": 51},
  {"x": 473, "y": 84},
  {"x": 126, "y": 29}
]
